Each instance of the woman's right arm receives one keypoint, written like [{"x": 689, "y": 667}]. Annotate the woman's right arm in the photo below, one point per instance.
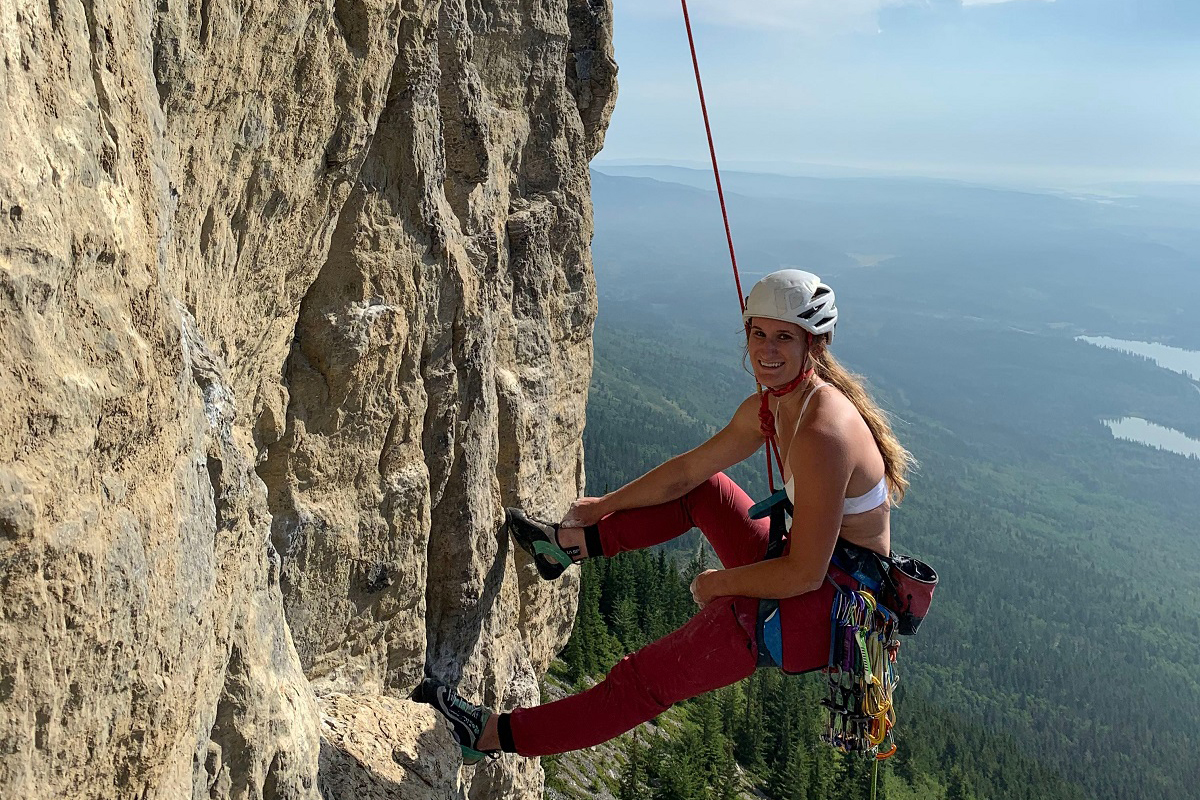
[{"x": 676, "y": 477}]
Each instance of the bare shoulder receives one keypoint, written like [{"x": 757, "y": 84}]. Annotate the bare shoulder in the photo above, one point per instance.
[
  {"x": 828, "y": 431},
  {"x": 833, "y": 417},
  {"x": 820, "y": 459},
  {"x": 746, "y": 415},
  {"x": 822, "y": 439}
]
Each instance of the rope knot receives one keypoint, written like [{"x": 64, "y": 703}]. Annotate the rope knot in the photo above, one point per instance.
[{"x": 766, "y": 419}]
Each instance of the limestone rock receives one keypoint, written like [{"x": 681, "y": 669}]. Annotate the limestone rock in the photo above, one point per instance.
[
  {"x": 295, "y": 296},
  {"x": 381, "y": 748}
]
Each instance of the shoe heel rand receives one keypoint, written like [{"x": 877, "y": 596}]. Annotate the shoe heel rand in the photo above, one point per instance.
[
  {"x": 554, "y": 552},
  {"x": 470, "y": 757}
]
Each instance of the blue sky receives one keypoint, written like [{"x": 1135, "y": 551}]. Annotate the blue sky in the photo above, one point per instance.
[{"x": 1022, "y": 90}]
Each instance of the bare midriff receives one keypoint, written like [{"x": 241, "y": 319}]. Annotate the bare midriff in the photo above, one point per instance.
[{"x": 870, "y": 529}]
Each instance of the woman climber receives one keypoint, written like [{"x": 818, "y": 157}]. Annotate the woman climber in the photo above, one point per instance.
[{"x": 842, "y": 466}]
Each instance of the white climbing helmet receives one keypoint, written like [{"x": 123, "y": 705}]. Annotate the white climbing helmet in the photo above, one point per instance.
[{"x": 793, "y": 295}]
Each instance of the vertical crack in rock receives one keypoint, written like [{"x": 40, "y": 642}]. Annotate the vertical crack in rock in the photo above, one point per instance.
[
  {"x": 264, "y": 698},
  {"x": 205, "y": 22},
  {"x": 348, "y": 490},
  {"x": 464, "y": 127},
  {"x": 100, "y": 41}
]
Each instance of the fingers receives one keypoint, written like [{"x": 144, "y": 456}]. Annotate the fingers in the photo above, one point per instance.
[
  {"x": 701, "y": 596},
  {"x": 580, "y": 514}
]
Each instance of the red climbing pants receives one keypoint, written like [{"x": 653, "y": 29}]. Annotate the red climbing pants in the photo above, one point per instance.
[{"x": 714, "y": 649}]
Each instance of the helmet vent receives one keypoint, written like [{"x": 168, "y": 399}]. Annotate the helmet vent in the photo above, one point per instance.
[{"x": 796, "y": 296}]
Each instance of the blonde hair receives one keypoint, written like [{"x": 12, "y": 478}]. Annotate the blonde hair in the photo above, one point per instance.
[{"x": 896, "y": 460}]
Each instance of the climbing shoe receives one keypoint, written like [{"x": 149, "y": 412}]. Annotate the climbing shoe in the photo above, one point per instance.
[
  {"x": 466, "y": 720},
  {"x": 540, "y": 540}
]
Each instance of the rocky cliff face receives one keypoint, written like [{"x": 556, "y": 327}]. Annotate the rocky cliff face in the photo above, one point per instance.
[{"x": 295, "y": 296}]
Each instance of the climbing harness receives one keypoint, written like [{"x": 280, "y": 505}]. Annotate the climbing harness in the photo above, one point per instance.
[{"x": 768, "y": 629}]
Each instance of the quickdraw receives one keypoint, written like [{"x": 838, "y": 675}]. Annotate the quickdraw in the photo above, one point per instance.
[{"x": 859, "y": 715}]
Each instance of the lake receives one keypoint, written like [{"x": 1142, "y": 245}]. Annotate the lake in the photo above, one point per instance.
[
  {"x": 1176, "y": 359},
  {"x": 1138, "y": 430}
]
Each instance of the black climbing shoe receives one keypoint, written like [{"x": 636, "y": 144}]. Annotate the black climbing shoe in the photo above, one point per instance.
[
  {"x": 466, "y": 720},
  {"x": 540, "y": 540}
]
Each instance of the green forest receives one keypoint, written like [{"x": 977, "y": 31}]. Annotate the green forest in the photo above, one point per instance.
[{"x": 1048, "y": 667}]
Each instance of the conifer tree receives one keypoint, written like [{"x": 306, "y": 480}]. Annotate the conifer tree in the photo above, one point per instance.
[
  {"x": 957, "y": 788},
  {"x": 626, "y": 626},
  {"x": 573, "y": 660},
  {"x": 633, "y": 774}
]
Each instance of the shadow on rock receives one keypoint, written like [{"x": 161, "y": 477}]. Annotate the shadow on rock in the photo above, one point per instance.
[{"x": 375, "y": 747}]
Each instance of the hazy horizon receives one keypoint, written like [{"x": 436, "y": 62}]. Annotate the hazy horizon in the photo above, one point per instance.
[
  {"x": 1025, "y": 177},
  {"x": 1023, "y": 92}
]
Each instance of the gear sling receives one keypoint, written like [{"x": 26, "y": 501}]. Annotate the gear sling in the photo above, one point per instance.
[{"x": 844, "y": 629}]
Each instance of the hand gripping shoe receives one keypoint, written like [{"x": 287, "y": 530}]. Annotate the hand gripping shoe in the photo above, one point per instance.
[
  {"x": 540, "y": 540},
  {"x": 466, "y": 720}
]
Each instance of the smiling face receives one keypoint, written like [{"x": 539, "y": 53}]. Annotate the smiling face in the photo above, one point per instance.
[{"x": 776, "y": 350}]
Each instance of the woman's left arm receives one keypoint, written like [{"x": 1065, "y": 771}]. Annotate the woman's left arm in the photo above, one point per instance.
[{"x": 821, "y": 465}]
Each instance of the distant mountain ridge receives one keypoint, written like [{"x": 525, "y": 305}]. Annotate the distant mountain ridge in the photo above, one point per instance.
[{"x": 1126, "y": 268}]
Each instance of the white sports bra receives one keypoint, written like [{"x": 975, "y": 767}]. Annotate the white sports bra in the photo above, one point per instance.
[
  {"x": 873, "y": 499},
  {"x": 853, "y": 505}
]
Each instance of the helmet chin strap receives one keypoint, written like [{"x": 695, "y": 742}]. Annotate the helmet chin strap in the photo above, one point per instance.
[{"x": 766, "y": 419}]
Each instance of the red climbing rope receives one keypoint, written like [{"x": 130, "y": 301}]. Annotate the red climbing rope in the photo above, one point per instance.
[
  {"x": 713, "y": 153},
  {"x": 764, "y": 413}
]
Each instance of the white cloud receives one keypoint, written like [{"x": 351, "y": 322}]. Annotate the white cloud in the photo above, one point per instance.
[
  {"x": 800, "y": 15},
  {"x": 994, "y": 2},
  {"x": 803, "y": 16}
]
